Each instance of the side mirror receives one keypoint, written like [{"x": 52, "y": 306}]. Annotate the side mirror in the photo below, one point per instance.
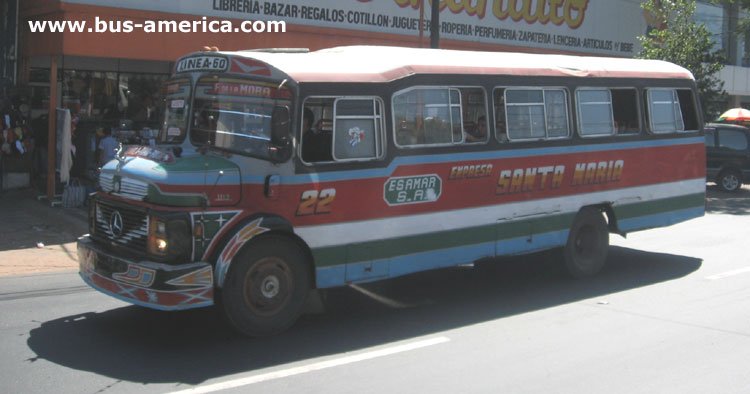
[{"x": 280, "y": 149}]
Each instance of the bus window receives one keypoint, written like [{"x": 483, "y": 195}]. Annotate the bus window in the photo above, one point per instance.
[
  {"x": 531, "y": 114},
  {"x": 474, "y": 114},
  {"x": 342, "y": 129},
  {"x": 428, "y": 116},
  {"x": 625, "y": 111},
  {"x": 595, "y": 112},
  {"x": 357, "y": 129},
  {"x": 177, "y": 98},
  {"x": 317, "y": 130},
  {"x": 235, "y": 114},
  {"x": 501, "y": 130},
  {"x": 671, "y": 110},
  {"x": 688, "y": 109}
]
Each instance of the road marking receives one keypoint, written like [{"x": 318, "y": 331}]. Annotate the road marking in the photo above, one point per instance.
[
  {"x": 729, "y": 273},
  {"x": 314, "y": 367}
]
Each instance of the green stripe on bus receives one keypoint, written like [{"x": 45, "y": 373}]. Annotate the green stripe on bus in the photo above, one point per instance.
[
  {"x": 657, "y": 206},
  {"x": 387, "y": 248}
]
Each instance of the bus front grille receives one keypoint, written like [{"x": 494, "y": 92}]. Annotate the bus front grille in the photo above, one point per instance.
[{"x": 121, "y": 227}]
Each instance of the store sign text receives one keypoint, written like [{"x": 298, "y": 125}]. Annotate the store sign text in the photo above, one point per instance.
[{"x": 570, "y": 12}]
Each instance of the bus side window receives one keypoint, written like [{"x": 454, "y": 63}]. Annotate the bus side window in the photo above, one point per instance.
[
  {"x": 317, "y": 134},
  {"x": 474, "y": 115},
  {"x": 357, "y": 129},
  {"x": 688, "y": 109},
  {"x": 499, "y": 105},
  {"x": 428, "y": 116},
  {"x": 595, "y": 115},
  {"x": 533, "y": 113},
  {"x": 664, "y": 110},
  {"x": 625, "y": 110}
]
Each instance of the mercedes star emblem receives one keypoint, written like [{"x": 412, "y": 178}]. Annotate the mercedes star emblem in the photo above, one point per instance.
[{"x": 115, "y": 224}]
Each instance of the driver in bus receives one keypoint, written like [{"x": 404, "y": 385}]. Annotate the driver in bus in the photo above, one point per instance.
[{"x": 316, "y": 145}]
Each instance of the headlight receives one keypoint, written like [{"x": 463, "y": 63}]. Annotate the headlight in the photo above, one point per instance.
[
  {"x": 169, "y": 238},
  {"x": 157, "y": 237}
]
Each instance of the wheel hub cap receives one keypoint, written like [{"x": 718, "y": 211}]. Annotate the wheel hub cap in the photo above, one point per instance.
[{"x": 270, "y": 287}]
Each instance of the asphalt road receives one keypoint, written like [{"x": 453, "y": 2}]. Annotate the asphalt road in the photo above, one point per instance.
[{"x": 669, "y": 314}]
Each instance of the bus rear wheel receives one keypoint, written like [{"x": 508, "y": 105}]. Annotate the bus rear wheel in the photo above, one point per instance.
[
  {"x": 588, "y": 242},
  {"x": 266, "y": 287}
]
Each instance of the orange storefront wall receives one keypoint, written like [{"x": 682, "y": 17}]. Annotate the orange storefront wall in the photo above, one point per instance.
[{"x": 170, "y": 46}]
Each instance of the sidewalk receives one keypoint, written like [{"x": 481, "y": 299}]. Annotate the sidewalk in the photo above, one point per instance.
[{"x": 36, "y": 238}]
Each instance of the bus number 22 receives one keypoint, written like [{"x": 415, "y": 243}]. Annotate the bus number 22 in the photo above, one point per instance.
[{"x": 313, "y": 202}]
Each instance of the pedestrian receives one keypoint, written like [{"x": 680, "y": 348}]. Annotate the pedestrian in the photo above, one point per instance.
[{"x": 107, "y": 147}]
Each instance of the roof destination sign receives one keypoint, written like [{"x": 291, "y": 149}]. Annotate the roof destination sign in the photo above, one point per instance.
[{"x": 202, "y": 63}]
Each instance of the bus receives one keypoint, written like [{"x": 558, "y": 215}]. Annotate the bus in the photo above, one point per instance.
[{"x": 317, "y": 169}]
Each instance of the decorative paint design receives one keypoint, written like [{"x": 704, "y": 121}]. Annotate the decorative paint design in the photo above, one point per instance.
[
  {"x": 209, "y": 224},
  {"x": 145, "y": 286},
  {"x": 201, "y": 277},
  {"x": 234, "y": 245},
  {"x": 356, "y": 136},
  {"x": 136, "y": 275},
  {"x": 157, "y": 299},
  {"x": 181, "y": 182}
]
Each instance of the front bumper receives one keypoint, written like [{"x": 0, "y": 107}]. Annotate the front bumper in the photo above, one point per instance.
[{"x": 146, "y": 283}]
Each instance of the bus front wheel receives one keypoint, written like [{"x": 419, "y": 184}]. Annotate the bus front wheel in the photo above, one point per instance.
[
  {"x": 266, "y": 287},
  {"x": 588, "y": 241}
]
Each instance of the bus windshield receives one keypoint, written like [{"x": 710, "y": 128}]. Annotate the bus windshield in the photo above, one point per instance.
[
  {"x": 235, "y": 114},
  {"x": 176, "y": 101}
]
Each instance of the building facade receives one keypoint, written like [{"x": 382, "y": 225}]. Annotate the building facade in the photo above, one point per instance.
[{"x": 111, "y": 79}]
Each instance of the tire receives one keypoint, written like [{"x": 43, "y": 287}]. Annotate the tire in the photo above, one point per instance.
[
  {"x": 588, "y": 242},
  {"x": 729, "y": 180},
  {"x": 266, "y": 287}
]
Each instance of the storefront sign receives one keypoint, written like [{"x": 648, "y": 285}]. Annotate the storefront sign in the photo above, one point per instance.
[{"x": 587, "y": 26}]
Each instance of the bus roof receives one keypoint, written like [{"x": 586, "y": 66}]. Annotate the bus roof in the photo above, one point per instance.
[{"x": 384, "y": 64}]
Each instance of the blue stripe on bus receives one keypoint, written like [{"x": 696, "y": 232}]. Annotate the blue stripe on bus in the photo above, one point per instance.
[
  {"x": 468, "y": 156},
  {"x": 442, "y": 258}
]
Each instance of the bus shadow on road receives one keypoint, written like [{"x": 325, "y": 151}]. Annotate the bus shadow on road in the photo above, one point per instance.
[{"x": 187, "y": 348}]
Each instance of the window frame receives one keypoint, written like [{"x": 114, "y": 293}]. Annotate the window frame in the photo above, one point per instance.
[
  {"x": 579, "y": 128},
  {"x": 378, "y": 122},
  {"x": 380, "y": 140},
  {"x": 566, "y": 95},
  {"x": 675, "y": 104},
  {"x": 450, "y": 112}
]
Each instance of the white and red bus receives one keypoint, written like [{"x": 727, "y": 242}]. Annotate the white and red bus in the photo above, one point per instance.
[{"x": 312, "y": 170}]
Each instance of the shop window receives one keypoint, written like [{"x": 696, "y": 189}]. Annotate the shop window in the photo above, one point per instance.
[
  {"x": 140, "y": 98},
  {"x": 91, "y": 95}
]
